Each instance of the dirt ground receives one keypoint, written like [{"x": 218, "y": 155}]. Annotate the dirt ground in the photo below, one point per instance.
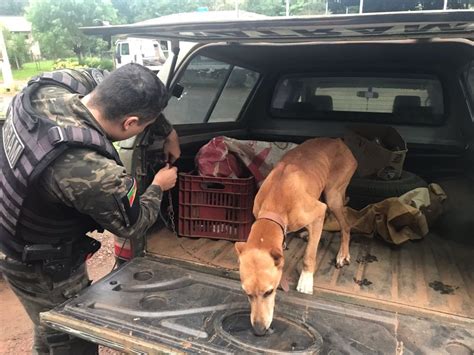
[{"x": 16, "y": 330}]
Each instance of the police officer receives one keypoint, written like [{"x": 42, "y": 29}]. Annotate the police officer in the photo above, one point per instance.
[{"x": 61, "y": 178}]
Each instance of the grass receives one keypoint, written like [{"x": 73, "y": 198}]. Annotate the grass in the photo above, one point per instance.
[
  {"x": 31, "y": 69},
  {"x": 19, "y": 77}
]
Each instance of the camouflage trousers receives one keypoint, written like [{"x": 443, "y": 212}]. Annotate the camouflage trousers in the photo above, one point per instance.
[{"x": 38, "y": 293}]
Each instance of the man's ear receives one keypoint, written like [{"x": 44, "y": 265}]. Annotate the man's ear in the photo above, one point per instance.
[
  {"x": 277, "y": 255},
  {"x": 130, "y": 122},
  {"x": 239, "y": 247}
]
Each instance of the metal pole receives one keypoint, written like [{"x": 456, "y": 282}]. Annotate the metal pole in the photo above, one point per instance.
[
  {"x": 327, "y": 7},
  {"x": 445, "y": 5},
  {"x": 361, "y": 7},
  {"x": 6, "y": 68},
  {"x": 287, "y": 8}
]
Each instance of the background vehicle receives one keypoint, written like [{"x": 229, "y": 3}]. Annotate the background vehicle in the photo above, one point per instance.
[
  {"x": 148, "y": 52},
  {"x": 264, "y": 80}
]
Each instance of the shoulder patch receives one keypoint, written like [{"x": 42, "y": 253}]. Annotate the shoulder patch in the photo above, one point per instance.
[
  {"x": 129, "y": 203},
  {"x": 132, "y": 192}
]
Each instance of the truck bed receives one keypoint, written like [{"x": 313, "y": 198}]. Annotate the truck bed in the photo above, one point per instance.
[{"x": 432, "y": 277}]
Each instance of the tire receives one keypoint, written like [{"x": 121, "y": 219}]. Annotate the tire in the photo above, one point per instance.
[{"x": 364, "y": 191}]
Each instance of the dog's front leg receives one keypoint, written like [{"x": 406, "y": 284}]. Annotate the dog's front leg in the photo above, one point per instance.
[{"x": 315, "y": 228}]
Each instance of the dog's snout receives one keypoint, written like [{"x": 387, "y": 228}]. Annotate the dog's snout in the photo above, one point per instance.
[{"x": 259, "y": 329}]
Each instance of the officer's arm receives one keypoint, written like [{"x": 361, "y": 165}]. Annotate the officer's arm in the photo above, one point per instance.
[{"x": 98, "y": 187}]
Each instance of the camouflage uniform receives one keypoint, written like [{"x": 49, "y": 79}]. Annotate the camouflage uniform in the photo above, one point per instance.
[{"x": 92, "y": 185}]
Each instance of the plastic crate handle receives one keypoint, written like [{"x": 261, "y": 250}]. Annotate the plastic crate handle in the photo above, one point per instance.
[{"x": 212, "y": 186}]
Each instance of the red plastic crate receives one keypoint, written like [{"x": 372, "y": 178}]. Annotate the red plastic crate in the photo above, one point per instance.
[{"x": 217, "y": 208}]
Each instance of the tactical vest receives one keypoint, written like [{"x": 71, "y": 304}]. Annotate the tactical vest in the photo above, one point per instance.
[{"x": 29, "y": 143}]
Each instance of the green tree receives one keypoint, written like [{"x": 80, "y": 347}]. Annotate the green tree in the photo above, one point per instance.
[
  {"x": 140, "y": 10},
  {"x": 278, "y": 7},
  {"x": 125, "y": 12},
  {"x": 265, "y": 7},
  {"x": 12, "y": 7},
  {"x": 17, "y": 47},
  {"x": 146, "y": 9},
  {"x": 56, "y": 25}
]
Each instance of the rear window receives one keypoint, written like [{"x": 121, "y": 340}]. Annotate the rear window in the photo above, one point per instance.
[{"x": 386, "y": 99}]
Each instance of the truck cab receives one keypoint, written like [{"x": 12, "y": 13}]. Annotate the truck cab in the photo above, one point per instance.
[{"x": 150, "y": 53}]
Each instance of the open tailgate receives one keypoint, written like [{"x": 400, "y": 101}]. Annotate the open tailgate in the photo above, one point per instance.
[
  {"x": 149, "y": 306},
  {"x": 380, "y": 26}
]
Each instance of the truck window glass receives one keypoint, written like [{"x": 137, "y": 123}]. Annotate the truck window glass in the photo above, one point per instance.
[
  {"x": 233, "y": 97},
  {"x": 202, "y": 81},
  {"x": 404, "y": 99},
  {"x": 125, "y": 49},
  {"x": 469, "y": 82},
  {"x": 164, "y": 48}
]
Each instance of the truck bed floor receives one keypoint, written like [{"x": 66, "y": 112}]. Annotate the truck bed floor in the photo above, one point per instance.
[{"x": 430, "y": 277}]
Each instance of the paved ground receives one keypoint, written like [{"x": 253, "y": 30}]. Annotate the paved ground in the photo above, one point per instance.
[{"x": 16, "y": 328}]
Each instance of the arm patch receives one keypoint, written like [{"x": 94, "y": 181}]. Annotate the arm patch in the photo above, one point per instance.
[{"x": 131, "y": 203}]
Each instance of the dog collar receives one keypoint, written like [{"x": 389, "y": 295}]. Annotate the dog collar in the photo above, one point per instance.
[{"x": 278, "y": 220}]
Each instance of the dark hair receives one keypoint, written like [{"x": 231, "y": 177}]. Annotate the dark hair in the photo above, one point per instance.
[{"x": 131, "y": 90}]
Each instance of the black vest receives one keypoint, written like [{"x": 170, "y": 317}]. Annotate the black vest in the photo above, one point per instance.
[{"x": 28, "y": 144}]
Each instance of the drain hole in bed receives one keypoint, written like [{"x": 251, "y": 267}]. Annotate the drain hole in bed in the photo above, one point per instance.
[
  {"x": 285, "y": 334},
  {"x": 153, "y": 303},
  {"x": 143, "y": 275}
]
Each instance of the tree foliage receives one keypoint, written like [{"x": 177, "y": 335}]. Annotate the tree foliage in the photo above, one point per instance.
[
  {"x": 17, "y": 47},
  {"x": 130, "y": 11},
  {"x": 139, "y": 10},
  {"x": 12, "y": 7},
  {"x": 56, "y": 24}
]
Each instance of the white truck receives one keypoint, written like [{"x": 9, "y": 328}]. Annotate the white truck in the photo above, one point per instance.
[{"x": 151, "y": 53}]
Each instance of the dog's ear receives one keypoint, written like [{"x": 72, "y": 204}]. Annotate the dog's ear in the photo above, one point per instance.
[
  {"x": 277, "y": 255},
  {"x": 239, "y": 247}
]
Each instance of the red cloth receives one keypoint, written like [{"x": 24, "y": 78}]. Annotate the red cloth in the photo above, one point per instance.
[
  {"x": 228, "y": 157},
  {"x": 214, "y": 159}
]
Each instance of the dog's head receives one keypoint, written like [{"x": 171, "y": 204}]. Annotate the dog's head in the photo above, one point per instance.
[{"x": 260, "y": 273}]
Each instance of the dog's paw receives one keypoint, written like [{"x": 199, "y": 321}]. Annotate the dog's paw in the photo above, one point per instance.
[
  {"x": 342, "y": 260},
  {"x": 305, "y": 283}
]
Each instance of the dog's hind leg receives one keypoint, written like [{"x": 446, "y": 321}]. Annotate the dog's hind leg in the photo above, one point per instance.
[
  {"x": 335, "y": 199},
  {"x": 315, "y": 228}
]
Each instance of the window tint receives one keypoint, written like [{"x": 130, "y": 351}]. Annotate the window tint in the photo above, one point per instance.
[
  {"x": 125, "y": 49},
  {"x": 407, "y": 98},
  {"x": 204, "y": 81}
]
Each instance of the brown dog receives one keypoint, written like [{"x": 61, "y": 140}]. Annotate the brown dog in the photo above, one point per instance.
[{"x": 287, "y": 201}]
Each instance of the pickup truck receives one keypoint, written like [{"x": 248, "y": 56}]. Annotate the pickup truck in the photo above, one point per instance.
[{"x": 288, "y": 80}]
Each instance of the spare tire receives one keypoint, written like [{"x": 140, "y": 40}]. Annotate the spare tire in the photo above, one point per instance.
[{"x": 364, "y": 191}]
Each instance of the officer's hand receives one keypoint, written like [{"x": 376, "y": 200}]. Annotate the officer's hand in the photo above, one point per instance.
[
  {"x": 166, "y": 177},
  {"x": 171, "y": 147}
]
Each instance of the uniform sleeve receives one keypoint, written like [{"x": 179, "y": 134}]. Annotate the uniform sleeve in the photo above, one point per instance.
[{"x": 99, "y": 187}]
